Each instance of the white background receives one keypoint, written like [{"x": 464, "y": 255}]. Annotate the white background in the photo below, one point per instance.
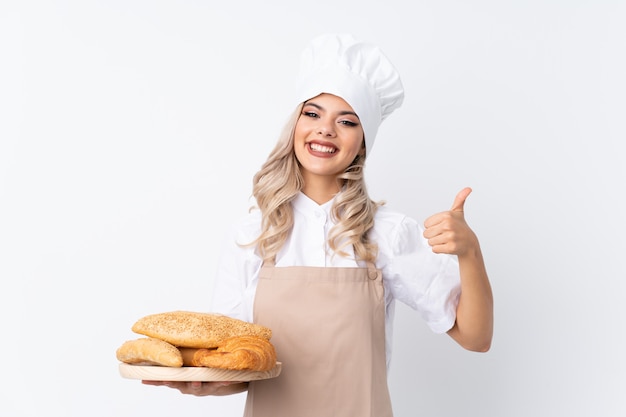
[{"x": 130, "y": 131}]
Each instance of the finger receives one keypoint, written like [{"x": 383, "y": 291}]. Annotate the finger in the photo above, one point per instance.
[
  {"x": 430, "y": 222},
  {"x": 459, "y": 200},
  {"x": 436, "y": 240}
]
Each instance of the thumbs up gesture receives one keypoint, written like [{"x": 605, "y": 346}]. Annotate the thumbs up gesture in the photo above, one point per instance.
[{"x": 447, "y": 232}]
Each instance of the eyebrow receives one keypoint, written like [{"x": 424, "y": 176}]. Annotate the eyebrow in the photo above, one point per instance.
[{"x": 342, "y": 113}]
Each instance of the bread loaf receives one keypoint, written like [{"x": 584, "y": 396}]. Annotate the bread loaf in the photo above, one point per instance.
[
  {"x": 149, "y": 351},
  {"x": 196, "y": 330},
  {"x": 236, "y": 353}
]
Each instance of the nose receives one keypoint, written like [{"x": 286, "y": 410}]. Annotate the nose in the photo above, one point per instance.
[{"x": 326, "y": 128}]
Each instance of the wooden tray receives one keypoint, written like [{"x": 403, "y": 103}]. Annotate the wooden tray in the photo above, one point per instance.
[{"x": 192, "y": 373}]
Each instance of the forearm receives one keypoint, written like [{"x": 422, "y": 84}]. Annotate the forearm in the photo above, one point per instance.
[{"x": 474, "y": 322}]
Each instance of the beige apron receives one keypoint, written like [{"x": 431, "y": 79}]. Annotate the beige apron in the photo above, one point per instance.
[{"x": 328, "y": 327}]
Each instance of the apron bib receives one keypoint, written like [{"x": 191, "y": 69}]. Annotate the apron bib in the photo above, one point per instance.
[{"x": 328, "y": 327}]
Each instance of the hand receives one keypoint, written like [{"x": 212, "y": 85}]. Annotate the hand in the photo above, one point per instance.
[
  {"x": 447, "y": 232},
  {"x": 202, "y": 389}
]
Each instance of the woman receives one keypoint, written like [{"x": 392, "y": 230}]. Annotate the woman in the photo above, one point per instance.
[{"x": 322, "y": 264}]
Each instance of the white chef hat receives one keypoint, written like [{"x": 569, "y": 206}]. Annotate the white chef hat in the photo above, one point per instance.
[{"x": 356, "y": 71}]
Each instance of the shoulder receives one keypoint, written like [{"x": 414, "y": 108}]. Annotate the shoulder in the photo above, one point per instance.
[
  {"x": 395, "y": 232},
  {"x": 387, "y": 214},
  {"x": 388, "y": 221}
]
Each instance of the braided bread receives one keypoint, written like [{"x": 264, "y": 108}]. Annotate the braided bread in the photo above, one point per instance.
[{"x": 236, "y": 353}]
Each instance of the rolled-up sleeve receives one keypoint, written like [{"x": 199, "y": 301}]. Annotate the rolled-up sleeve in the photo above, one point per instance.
[{"x": 415, "y": 275}]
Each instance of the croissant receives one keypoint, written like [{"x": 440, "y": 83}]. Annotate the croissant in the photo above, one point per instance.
[{"x": 236, "y": 353}]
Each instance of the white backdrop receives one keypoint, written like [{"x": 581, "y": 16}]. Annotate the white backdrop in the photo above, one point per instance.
[{"x": 130, "y": 131}]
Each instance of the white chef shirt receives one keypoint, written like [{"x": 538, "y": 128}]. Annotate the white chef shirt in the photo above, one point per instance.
[{"x": 412, "y": 272}]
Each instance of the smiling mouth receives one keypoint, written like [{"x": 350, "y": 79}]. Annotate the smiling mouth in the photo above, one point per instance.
[{"x": 321, "y": 148}]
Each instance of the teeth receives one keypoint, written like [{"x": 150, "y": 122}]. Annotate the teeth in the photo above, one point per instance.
[{"x": 321, "y": 148}]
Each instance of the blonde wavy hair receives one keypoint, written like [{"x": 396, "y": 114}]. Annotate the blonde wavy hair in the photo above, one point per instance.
[{"x": 279, "y": 181}]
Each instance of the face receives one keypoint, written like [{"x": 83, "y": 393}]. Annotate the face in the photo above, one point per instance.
[{"x": 328, "y": 136}]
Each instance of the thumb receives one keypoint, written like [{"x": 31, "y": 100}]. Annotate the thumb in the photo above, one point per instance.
[{"x": 459, "y": 200}]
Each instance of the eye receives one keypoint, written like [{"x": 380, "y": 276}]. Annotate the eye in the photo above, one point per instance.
[
  {"x": 348, "y": 123},
  {"x": 310, "y": 114}
]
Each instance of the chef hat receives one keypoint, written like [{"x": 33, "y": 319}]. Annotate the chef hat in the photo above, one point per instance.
[{"x": 356, "y": 71}]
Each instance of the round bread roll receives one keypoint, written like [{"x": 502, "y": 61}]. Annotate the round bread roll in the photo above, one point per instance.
[
  {"x": 149, "y": 351},
  {"x": 196, "y": 330}
]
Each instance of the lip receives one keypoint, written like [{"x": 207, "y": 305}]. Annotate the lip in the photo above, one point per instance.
[{"x": 321, "y": 154}]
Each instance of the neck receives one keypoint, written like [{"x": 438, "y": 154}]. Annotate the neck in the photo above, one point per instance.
[{"x": 321, "y": 189}]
